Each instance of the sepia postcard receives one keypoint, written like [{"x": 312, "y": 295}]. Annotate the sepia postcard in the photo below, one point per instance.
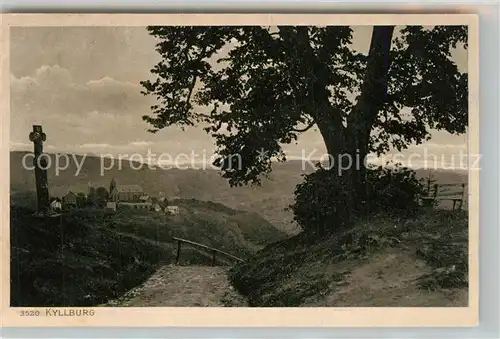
[{"x": 240, "y": 170}]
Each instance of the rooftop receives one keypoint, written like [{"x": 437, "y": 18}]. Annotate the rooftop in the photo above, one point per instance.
[{"x": 130, "y": 188}]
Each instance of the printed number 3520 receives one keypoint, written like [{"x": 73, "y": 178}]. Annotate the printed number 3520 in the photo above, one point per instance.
[{"x": 30, "y": 313}]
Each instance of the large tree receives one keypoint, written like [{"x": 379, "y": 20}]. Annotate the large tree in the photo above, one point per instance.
[{"x": 263, "y": 86}]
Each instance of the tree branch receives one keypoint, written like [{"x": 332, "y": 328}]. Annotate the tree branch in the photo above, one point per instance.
[
  {"x": 374, "y": 87},
  {"x": 193, "y": 83},
  {"x": 308, "y": 127}
]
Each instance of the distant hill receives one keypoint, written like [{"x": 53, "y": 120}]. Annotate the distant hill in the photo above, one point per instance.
[{"x": 269, "y": 200}]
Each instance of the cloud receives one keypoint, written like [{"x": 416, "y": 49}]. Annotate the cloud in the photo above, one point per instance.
[
  {"x": 52, "y": 90},
  {"x": 107, "y": 82},
  {"x": 448, "y": 146},
  {"x": 52, "y": 76},
  {"x": 88, "y": 53},
  {"x": 98, "y": 111},
  {"x": 19, "y": 145},
  {"x": 433, "y": 150},
  {"x": 141, "y": 143},
  {"x": 93, "y": 146}
]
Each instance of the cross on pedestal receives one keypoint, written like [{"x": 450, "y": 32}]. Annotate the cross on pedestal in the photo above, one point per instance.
[{"x": 40, "y": 164}]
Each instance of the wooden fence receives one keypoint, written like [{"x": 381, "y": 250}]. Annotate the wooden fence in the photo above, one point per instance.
[
  {"x": 209, "y": 249},
  {"x": 456, "y": 193}
]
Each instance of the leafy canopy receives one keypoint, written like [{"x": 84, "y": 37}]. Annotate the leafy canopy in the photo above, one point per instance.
[{"x": 257, "y": 88}]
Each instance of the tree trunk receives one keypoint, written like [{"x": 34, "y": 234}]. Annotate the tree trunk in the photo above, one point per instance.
[
  {"x": 370, "y": 102},
  {"x": 348, "y": 146},
  {"x": 329, "y": 123}
]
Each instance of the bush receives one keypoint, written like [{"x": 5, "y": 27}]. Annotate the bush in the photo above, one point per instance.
[
  {"x": 320, "y": 202},
  {"x": 393, "y": 190}
]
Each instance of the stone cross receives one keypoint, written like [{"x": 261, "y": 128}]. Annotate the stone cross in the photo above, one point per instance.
[{"x": 40, "y": 164}]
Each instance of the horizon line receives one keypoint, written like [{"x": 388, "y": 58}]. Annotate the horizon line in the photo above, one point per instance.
[{"x": 194, "y": 164}]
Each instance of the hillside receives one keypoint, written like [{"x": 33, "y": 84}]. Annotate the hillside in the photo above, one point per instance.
[
  {"x": 90, "y": 256},
  {"x": 268, "y": 200},
  {"x": 380, "y": 262}
]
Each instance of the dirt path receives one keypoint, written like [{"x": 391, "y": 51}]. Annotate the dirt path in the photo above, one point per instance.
[{"x": 184, "y": 286}]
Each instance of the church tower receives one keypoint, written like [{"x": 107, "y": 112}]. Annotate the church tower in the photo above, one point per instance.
[{"x": 112, "y": 190}]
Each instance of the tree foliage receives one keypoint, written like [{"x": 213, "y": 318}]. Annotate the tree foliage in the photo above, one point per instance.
[
  {"x": 257, "y": 88},
  {"x": 102, "y": 196},
  {"x": 81, "y": 200}
]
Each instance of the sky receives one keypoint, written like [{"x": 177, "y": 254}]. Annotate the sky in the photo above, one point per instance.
[{"x": 82, "y": 85}]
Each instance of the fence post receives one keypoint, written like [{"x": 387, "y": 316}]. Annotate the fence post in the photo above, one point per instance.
[
  {"x": 178, "y": 252},
  {"x": 462, "y": 198},
  {"x": 436, "y": 189},
  {"x": 213, "y": 258},
  {"x": 429, "y": 184}
]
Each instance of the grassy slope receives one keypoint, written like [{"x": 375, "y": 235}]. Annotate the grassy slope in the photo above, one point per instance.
[
  {"x": 94, "y": 255},
  {"x": 380, "y": 262},
  {"x": 74, "y": 263}
]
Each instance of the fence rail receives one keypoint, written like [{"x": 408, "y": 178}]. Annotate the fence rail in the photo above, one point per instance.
[
  {"x": 212, "y": 250},
  {"x": 446, "y": 192}
]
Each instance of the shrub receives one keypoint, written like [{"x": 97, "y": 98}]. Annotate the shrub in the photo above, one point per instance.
[
  {"x": 320, "y": 202},
  {"x": 393, "y": 189}
]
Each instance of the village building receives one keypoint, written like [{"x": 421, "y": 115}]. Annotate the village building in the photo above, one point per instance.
[
  {"x": 129, "y": 193},
  {"x": 69, "y": 200},
  {"x": 56, "y": 205},
  {"x": 136, "y": 205},
  {"x": 112, "y": 187},
  {"x": 172, "y": 210},
  {"x": 145, "y": 198},
  {"x": 133, "y": 196},
  {"x": 111, "y": 205}
]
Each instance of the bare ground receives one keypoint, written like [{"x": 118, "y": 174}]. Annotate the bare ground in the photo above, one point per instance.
[
  {"x": 183, "y": 286},
  {"x": 389, "y": 279}
]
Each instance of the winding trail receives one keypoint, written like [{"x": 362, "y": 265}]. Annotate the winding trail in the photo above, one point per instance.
[{"x": 184, "y": 286}]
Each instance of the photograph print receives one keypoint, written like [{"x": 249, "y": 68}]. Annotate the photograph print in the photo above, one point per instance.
[{"x": 240, "y": 166}]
